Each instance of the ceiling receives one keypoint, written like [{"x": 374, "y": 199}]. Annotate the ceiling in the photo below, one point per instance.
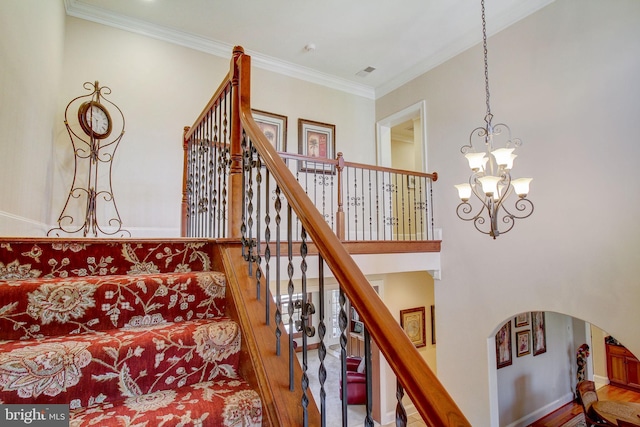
[{"x": 401, "y": 40}]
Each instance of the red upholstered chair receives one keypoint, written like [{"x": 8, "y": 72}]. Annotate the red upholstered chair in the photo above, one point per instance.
[{"x": 356, "y": 382}]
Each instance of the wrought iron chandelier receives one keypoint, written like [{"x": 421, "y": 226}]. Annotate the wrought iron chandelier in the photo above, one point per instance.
[{"x": 490, "y": 180}]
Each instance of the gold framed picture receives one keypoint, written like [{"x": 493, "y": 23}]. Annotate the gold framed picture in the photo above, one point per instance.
[{"x": 412, "y": 321}]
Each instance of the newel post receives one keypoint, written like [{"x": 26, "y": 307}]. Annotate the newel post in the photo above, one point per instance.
[
  {"x": 340, "y": 226},
  {"x": 184, "y": 204},
  {"x": 235, "y": 170}
]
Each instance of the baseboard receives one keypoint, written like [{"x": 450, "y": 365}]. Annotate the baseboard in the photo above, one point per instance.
[
  {"x": 541, "y": 412},
  {"x": 600, "y": 380},
  {"x": 19, "y": 226},
  {"x": 16, "y": 225},
  {"x": 390, "y": 417}
]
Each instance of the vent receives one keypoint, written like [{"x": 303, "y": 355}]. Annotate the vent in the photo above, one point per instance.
[{"x": 365, "y": 72}]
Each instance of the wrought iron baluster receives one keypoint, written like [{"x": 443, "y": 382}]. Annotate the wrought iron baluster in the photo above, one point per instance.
[
  {"x": 401, "y": 414},
  {"x": 322, "y": 349},
  {"x": 256, "y": 167},
  {"x": 290, "y": 292},
  {"x": 370, "y": 209},
  {"x": 278, "y": 314},
  {"x": 303, "y": 325},
  {"x": 267, "y": 248},
  {"x": 377, "y": 216},
  {"x": 368, "y": 420},
  {"x": 343, "y": 322}
]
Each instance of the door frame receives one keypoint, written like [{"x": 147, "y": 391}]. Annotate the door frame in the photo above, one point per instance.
[{"x": 383, "y": 132}]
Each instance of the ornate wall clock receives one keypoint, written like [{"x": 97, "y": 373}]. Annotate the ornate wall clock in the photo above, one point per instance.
[
  {"x": 91, "y": 208},
  {"x": 94, "y": 119}
]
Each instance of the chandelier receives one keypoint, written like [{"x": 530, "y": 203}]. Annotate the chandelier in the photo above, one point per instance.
[{"x": 490, "y": 180}]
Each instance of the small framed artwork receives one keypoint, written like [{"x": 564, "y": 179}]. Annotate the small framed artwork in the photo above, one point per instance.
[
  {"x": 412, "y": 321},
  {"x": 523, "y": 339},
  {"x": 274, "y": 127},
  {"x": 433, "y": 324},
  {"x": 503, "y": 346},
  {"x": 539, "y": 332},
  {"x": 522, "y": 319},
  {"x": 316, "y": 139}
]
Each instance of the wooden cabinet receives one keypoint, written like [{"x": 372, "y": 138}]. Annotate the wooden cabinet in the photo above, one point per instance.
[
  {"x": 623, "y": 368},
  {"x": 356, "y": 344}
]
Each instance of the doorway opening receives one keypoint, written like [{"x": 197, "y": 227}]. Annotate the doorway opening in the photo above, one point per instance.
[{"x": 402, "y": 139}]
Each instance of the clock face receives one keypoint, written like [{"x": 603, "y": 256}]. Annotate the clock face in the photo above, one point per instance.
[{"x": 95, "y": 119}]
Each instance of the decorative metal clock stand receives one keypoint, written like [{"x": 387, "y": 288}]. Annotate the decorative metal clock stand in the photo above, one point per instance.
[{"x": 91, "y": 193}]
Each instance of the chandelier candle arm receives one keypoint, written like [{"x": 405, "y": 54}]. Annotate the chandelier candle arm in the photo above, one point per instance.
[{"x": 490, "y": 180}]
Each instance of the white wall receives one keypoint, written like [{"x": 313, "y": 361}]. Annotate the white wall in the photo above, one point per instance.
[
  {"x": 29, "y": 88},
  {"x": 160, "y": 88},
  {"x": 566, "y": 80}
]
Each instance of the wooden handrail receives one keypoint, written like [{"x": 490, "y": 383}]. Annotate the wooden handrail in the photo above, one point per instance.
[
  {"x": 335, "y": 162},
  {"x": 429, "y": 396}
]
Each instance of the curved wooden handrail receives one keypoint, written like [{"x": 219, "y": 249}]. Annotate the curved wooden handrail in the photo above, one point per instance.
[{"x": 429, "y": 396}]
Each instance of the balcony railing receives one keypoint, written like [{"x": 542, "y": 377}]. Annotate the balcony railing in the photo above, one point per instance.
[{"x": 359, "y": 202}]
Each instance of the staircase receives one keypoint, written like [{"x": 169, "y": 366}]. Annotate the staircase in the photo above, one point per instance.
[{"x": 132, "y": 333}]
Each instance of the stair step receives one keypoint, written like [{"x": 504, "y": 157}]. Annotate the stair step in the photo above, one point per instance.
[
  {"x": 212, "y": 403},
  {"x": 61, "y": 306},
  {"x": 106, "y": 367},
  {"x": 24, "y": 258}
]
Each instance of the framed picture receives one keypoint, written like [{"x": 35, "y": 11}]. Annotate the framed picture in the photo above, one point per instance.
[
  {"x": 539, "y": 332},
  {"x": 433, "y": 324},
  {"x": 503, "y": 346},
  {"x": 274, "y": 128},
  {"x": 316, "y": 139},
  {"x": 412, "y": 321},
  {"x": 522, "y": 319},
  {"x": 523, "y": 340}
]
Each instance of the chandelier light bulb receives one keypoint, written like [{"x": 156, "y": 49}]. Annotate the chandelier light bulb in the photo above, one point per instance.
[
  {"x": 521, "y": 186},
  {"x": 477, "y": 161},
  {"x": 464, "y": 191},
  {"x": 503, "y": 156},
  {"x": 489, "y": 185}
]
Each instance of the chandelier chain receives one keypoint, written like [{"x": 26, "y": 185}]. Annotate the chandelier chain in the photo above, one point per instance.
[{"x": 486, "y": 64}]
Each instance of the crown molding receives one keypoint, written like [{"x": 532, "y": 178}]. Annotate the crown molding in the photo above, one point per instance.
[{"x": 213, "y": 47}]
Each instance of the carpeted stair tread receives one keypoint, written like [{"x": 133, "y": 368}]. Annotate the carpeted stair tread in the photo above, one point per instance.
[
  {"x": 214, "y": 403},
  {"x": 52, "y": 307},
  {"x": 62, "y": 258},
  {"x": 118, "y": 363}
]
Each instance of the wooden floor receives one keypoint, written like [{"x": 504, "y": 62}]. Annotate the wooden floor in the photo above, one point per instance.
[{"x": 570, "y": 410}]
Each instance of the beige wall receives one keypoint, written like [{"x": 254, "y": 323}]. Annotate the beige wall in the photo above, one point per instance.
[
  {"x": 404, "y": 291},
  {"x": 160, "y": 87},
  {"x": 566, "y": 80},
  {"x": 29, "y": 77}
]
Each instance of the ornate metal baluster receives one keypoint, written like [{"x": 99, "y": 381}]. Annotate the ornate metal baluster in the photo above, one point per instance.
[
  {"x": 267, "y": 248},
  {"x": 290, "y": 291},
  {"x": 401, "y": 414},
  {"x": 303, "y": 325},
  {"x": 322, "y": 349},
  {"x": 278, "y": 315},
  {"x": 257, "y": 168},
  {"x": 368, "y": 420},
  {"x": 343, "y": 321}
]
